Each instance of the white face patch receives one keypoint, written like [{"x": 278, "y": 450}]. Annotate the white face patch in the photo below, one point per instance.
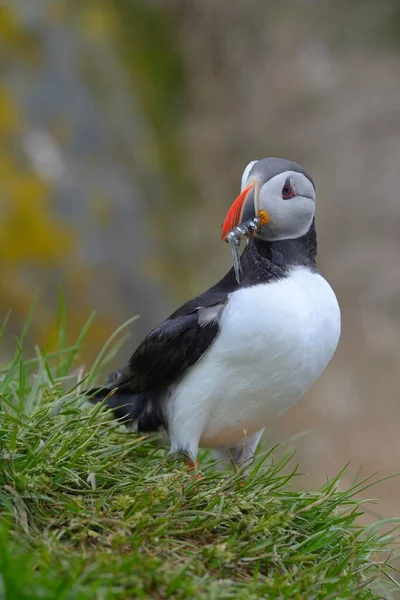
[
  {"x": 246, "y": 174},
  {"x": 292, "y": 217}
]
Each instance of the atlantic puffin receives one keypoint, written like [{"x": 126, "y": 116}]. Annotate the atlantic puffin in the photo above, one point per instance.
[{"x": 228, "y": 362}]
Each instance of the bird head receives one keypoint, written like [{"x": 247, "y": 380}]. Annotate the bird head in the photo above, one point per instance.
[{"x": 280, "y": 193}]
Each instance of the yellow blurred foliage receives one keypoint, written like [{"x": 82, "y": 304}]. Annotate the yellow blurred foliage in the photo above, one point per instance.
[
  {"x": 9, "y": 28},
  {"x": 98, "y": 21},
  {"x": 28, "y": 230},
  {"x": 8, "y": 116},
  {"x": 32, "y": 236}
]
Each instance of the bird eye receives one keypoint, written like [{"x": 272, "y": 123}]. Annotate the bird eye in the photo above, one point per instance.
[{"x": 288, "y": 191}]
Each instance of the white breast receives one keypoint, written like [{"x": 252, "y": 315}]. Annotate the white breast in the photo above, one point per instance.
[{"x": 275, "y": 340}]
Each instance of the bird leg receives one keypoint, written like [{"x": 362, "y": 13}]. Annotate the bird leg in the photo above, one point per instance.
[
  {"x": 192, "y": 466},
  {"x": 241, "y": 455}
]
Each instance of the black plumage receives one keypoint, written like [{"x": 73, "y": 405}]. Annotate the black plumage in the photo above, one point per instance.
[{"x": 181, "y": 340}]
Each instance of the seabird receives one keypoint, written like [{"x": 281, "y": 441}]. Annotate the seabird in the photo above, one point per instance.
[{"x": 223, "y": 366}]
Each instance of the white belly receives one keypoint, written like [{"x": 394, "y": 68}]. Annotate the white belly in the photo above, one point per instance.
[{"x": 275, "y": 340}]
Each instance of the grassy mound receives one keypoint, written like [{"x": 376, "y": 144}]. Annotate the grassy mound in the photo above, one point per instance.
[{"x": 90, "y": 511}]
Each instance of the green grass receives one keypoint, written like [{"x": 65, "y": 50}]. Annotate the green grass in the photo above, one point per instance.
[{"x": 90, "y": 511}]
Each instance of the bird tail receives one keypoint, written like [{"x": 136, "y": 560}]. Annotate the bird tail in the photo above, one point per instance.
[
  {"x": 143, "y": 409},
  {"x": 121, "y": 401}
]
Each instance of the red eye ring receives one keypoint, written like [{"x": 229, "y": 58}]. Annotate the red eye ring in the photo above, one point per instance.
[{"x": 288, "y": 191}]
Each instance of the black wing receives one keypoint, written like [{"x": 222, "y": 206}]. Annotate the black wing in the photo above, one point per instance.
[
  {"x": 169, "y": 350},
  {"x": 164, "y": 356},
  {"x": 178, "y": 342},
  {"x": 160, "y": 360}
]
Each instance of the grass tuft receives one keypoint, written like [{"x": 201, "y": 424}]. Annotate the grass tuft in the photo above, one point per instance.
[{"x": 90, "y": 511}]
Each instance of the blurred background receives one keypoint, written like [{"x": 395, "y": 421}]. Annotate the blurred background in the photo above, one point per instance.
[{"x": 125, "y": 126}]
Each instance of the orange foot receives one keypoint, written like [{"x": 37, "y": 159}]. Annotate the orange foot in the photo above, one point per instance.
[{"x": 193, "y": 466}]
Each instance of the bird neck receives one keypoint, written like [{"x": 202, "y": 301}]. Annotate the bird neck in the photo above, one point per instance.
[{"x": 269, "y": 260}]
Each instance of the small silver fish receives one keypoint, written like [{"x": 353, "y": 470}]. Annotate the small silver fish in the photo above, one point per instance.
[{"x": 234, "y": 237}]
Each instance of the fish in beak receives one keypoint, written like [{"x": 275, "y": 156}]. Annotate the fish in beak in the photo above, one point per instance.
[{"x": 242, "y": 220}]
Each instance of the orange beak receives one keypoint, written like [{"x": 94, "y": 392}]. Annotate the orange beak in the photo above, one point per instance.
[{"x": 235, "y": 212}]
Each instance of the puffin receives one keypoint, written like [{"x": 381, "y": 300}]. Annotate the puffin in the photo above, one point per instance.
[{"x": 221, "y": 368}]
